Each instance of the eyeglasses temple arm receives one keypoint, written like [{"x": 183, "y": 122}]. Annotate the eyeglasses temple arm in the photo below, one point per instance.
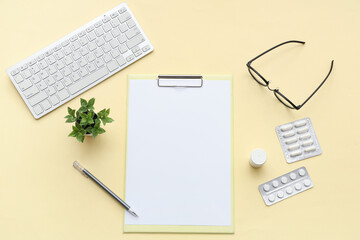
[
  {"x": 331, "y": 67},
  {"x": 291, "y": 41}
]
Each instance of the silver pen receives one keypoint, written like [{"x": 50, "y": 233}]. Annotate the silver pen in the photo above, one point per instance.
[{"x": 86, "y": 173}]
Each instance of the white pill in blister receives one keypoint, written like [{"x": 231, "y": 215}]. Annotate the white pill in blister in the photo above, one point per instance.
[
  {"x": 293, "y": 147},
  {"x": 292, "y": 176},
  {"x": 289, "y": 134},
  {"x": 307, "y": 183},
  {"x": 275, "y": 183},
  {"x": 291, "y": 140},
  {"x": 266, "y": 187},
  {"x": 280, "y": 194},
  {"x": 307, "y": 143},
  {"x": 298, "y": 186},
  {"x": 286, "y": 127},
  {"x": 302, "y": 172},
  {"x": 305, "y": 136},
  {"x": 284, "y": 180},
  {"x": 289, "y": 190},
  {"x": 302, "y": 130},
  {"x": 271, "y": 198},
  {"x": 295, "y": 153},
  {"x": 300, "y": 123},
  {"x": 310, "y": 149}
]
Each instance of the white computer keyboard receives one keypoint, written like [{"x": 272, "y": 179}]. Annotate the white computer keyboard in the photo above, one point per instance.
[{"x": 80, "y": 60}]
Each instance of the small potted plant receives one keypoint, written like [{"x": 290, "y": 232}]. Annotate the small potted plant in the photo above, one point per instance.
[{"x": 87, "y": 122}]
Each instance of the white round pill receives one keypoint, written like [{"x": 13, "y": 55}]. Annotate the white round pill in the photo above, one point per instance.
[
  {"x": 301, "y": 172},
  {"x": 292, "y": 176},
  {"x": 280, "y": 194},
  {"x": 284, "y": 180},
  {"x": 275, "y": 183},
  {"x": 271, "y": 198},
  {"x": 258, "y": 158},
  {"x": 266, "y": 187},
  {"x": 289, "y": 190},
  {"x": 298, "y": 186},
  {"x": 307, "y": 183}
]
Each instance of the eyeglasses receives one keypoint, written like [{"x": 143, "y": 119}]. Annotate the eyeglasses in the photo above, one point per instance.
[{"x": 262, "y": 81}]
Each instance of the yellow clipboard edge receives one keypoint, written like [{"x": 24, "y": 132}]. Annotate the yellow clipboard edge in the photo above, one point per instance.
[{"x": 183, "y": 228}]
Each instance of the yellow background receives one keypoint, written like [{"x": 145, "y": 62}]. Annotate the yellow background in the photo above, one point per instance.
[{"x": 43, "y": 197}]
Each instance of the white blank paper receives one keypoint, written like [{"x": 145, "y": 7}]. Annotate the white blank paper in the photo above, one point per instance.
[{"x": 178, "y": 167}]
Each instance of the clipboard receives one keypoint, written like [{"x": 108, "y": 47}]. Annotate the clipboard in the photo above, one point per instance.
[{"x": 179, "y": 154}]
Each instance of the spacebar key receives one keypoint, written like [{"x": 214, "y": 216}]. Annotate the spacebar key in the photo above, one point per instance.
[{"x": 86, "y": 81}]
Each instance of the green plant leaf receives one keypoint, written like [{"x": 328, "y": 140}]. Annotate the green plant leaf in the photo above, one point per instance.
[
  {"x": 100, "y": 130},
  {"x": 83, "y": 102},
  {"x": 71, "y": 112},
  {"x": 91, "y": 102},
  {"x": 82, "y": 109},
  {"x": 80, "y": 138}
]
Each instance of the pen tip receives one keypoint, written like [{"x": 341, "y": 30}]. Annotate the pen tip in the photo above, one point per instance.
[{"x": 132, "y": 212}]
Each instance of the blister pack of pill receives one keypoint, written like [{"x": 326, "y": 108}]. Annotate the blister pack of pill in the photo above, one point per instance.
[
  {"x": 285, "y": 186},
  {"x": 298, "y": 140}
]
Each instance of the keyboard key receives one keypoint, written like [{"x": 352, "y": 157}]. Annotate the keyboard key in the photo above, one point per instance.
[
  {"x": 91, "y": 67},
  {"x": 100, "y": 42},
  {"x": 68, "y": 60},
  {"x": 59, "y": 86},
  {"x": 23, "y": 67},
  {"x": 75, "y": 76},
  {"x": 63, "y": 94},
  {"x": 18, "y": 78},
  {"x": 65, "y": 43},
  {"x": 107, "y": 27},
  {"x": 85, "y": 50},
  {"x": 34, "y": 69},
  {"x": 42, "y": 85},
  {"x": 67, "y": 50},
  {"x": 121, "y": 60},
  {"x": 37, "y": 98},
  {"x": 107, "y": 57},
  {"x": 31, "y": 91},
  {"x": 66, "y": 71},
  {"x": 122, "y": 10},
  {"x": 115, "y": 32},
  {"x": 25, "y": 85},
  {"x": 122, "y": 39},
  {"x": 83, "y": 72},
  {"x": 124, "y": 17},
  {"x": 123, "y": 28},
  {"x": 112, "y": 65},
  {"x": 108, "y": 36},
  {"x": 51, "y": 90},
  {"x": 106, "y": 19},
  {"x": 135, "y": 49},
  {"x": 38, "y": 109},
  {"x": 59, "y": 55},
  {"x": 54, "y": 100},
  {"x": 40, "y": 57},
  {"x": 82, "y": 33},
  {"x": 131, "y": 23},
  {"x": 48, "y": 53},
  {"x": 83, "y": 41},
  {"x": 51, "y": 59},
  {"x": 115, "y": 22},
  {"x": 99, "y": 63},
  {"x": 57, "y": 47},
  {"x": 137, "y": 53},
  {"x": 14, "y": 72},
  {"x": 27, "y": 73},
  {"x": 82, "y": 62},
  {"x": 58, "y": 76},
  {"x": 130, "y": 58},
  {"x": 76, "y": 55},
  {"x": 114, "y": 14},
  {"x": 32, "y": 62},
  {"x": 98, "y": 24},
  {"x": 35, "y": 79},
  {"x": 74, "y": 66},
  {"x": 91, "y": 36},
  {"x": 98, "y": 52},
  {"x": 52, "y": 69},
  {"x": 114, "y": 43},
  {"x": 46, "y": 104},
  {"x": 59, "y": 65},
  {"x": 67, "y": 82},
  {"x": 106, "y": 48},
  {"x": 132, "y": 33},
  {"x": 89, "y": 29},
  {"x": 90, "y": 57},
  {"x": 135, "y": 41},
  {"x": 98, "y": 74},
  {"x": 76, "y": 45},
  {"x": 50, "y": 81},
  {"x": 43, "y": 75},
  {"x": 115, "y": 53},
  {"x": 99, "y": 32},
  {"x": 73, "y": 38},
  {"x": 146, "y": 48},
  {"x": 123, "y": 48},
  {"x": 43, "y": 64}
]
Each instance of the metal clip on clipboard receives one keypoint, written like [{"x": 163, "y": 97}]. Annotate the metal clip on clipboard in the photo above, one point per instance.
[{"x": 180, "y": 81}]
